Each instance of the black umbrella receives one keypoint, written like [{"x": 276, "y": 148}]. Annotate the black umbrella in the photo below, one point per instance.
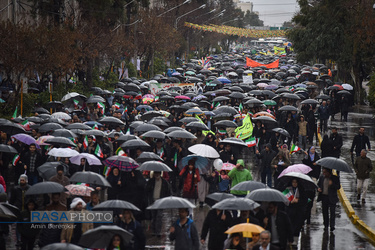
[
  {"x": 55, "y": 104},
  {"x": 310, "y": 101},
  {"x": 344, "y": 92},
  {"x": 95, "y": 132},
  {"x": 41, "y": 110},
  {"x": 7, "y": 149},
  {"x": 234, "y": 141},
  {"x": 150, "y": 114},
  {"x": 170, "y": 129},
  {"x": 221, "y": 116},
  {"x": 220, "y": 196},
  {"x": 281, "y": 131},
  {"x": 267, "y": 194},
  {"x": 47, "y": 187},
  {"x": 158, "y": 122},
  {"x": 48, "y": 127},
  {"x": 61, "y": 246},
  {"x": 148, "y": 156},
  {"x": 304, "y": 181},
  {"x": 111, "y": 121},
  {"x": 188, "y": 120},
  {"x": 237, "y": 95},
  {"x": 225, "y": 109},
  {"x": 95, "y": 99},
  {"x": 35, "y": 119},
  {"x": 171, "y": 202},
  {"x": 116, "y": 204},
  {"x": 288, "y": 108},
  {"x": 124, "y": 138},
  {"x": 61, "y": 142},
  {"x": 147, "y": 127},
  {"x": 182, "y": 134},
  {"x": 131, "y": 87},
  {"x": 197, "y": 125},
  {"x": 89, "y": 178},
  {"x": 78, "y": 126},
  {"x": 6, "y": 214},
  {"x": 264, "y": 119},
  {"x": 134, "y": 144},
  {"x": 154, "y": 166},
  {"x": 220, "y": 99},
  {"x": 248, "y": 186},
  {"x": 335, "y": 163},
  {"x": 243, "y": 204},
  {"x": 135, "y": 124},
  {"x": 48, "y": 169},
  {"x": 102, "y": 236},
  {"x": 154, "y": 134},
  {"x": 225, "y": 124},
  {"x": 64, "y": 133},
  {"x": 290, "y": 96},
  {"x": 11, "y": 128},
  {"x": 323, "y": 97}
]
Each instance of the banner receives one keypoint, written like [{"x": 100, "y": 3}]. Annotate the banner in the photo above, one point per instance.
[
  {"x": 247, "y": 79},
  {"x": 253, "y": 64},
  {"x": 278, "y": 50},
  {"x": 156, "y": 87},
  {"x": 246, "y": 130}
]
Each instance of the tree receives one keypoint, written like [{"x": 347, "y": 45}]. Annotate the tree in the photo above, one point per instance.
[{"x": 252, "y": 19}]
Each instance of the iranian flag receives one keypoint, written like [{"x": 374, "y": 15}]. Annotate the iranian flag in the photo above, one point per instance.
[
  {"x": 240, "y": 108},
  {"x": 76, "y": 102},
  {"x": 106, "y": 171},
  {"x": 117, "y": 105},
  {"x": 101, "y": 105},
  {"x": 95, "y": 127},
  {"x": 162, "y": 153},
  {"x": 251, "y": 142},
  {"x": 175, "y": 158},
  {"x": 126, "y": 109},
  {"x": 85, "y": 142},
  {"x": 128, "y": 131},
  {"x": 98, "y": 151},
  {"x": 156, "y": 98},
  {"x": 119, "y": 151},
  {"x": 222, "y": 131},
  {"x": 294, "y": 149},
  {"x": 26, "y": 124},
  {"x": 16, "y": 160},
  {"x": 15, "y": 114},
  {"x": 288, "y": 194},
  {"x": 215, "y": 105}
]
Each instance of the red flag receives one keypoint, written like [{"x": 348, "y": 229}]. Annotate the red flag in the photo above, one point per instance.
[{"x": 253, "y": 64}]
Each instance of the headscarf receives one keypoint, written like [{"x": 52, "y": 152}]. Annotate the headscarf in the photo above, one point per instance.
[
  {"x": 76, "y": 201},
  {"x": 312, "y": 155}
]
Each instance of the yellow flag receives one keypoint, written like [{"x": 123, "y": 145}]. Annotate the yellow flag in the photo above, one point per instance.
[
  {"x": 204, "y": 132},
  {"x": 246, "y": 130}
]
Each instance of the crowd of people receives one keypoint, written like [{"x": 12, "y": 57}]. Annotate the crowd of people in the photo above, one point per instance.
[{"x": 134, "y": 105}]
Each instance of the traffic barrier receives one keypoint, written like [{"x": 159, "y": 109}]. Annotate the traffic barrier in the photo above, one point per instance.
[{"x": 359, "y": 224}]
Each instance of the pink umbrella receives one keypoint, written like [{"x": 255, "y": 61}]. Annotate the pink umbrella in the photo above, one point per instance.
[
  {"x": 228, "y": 166},
  {"x": 182, "y": 97},
  {"x": 299, "y": 168},
  {"x": 79, "y": 190},
  {"x": 149, "y": 96},
  {"x": 41, "y": 141},
  {"x": 262, "y": 85}
]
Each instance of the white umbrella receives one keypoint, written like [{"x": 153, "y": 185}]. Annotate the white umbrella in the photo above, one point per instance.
[
  {"x": 63, "y": 152},
  {"x": 204, "y": 150},
  {"x": 69, "y": 96},
  {"x": 347, "y": 86},
  {"x": 90, "y": 158},
  {"x": 61, "y": 115}
]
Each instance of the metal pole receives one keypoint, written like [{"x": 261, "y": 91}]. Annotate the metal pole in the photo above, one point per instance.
[{"x": 21, "y": 96}]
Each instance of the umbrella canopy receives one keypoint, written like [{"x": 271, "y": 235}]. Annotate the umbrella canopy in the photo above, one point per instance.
[
  {"x": 27, "y": 139},
  {"x": 124, "y": 163},
  {"x": 234, "y": 141},
  {"x": 48, "y": 127},
  {"x": 90, "y": 159},
  {"x": 7, "y": 149},
  {"x": 101, "y": 237},
  {"x": 197, "y": 125},
  {"x": 220, "y": 196},
  {"x": 243, "y": 204},
  {"x": 310, "y": 101},
  {"x": 90, "y": 178},
  {"x": 267, "y": 194},
  {"x": 42, "y": 140},
  {"x": 61, "y": 246},
  {"x": 63, "y": 133},
  {"x": 247, "y": 229},
  {"x": 225, "y": 124},
  {"x": 154, "y": 166},
  {"x": 171, "y": 202},
  {"x": 95, "y": 132},
  {"x": 204, "y": 150},
  {"x": 147, "y": 127},
  {"x": 79, "y": 190},
  {"x": 48, "y": 169},
  {"x": 288, "y": 108},
  {"x": 78, "y": 126},
  {"x": 188, "y": 120},
  {"x": 47, "y": 187},
  {"x": 135, "y": 143},
  {"x": 248, "y": 186},
  {"x": 194, "y": 111},
  {"x": 264, "y": 119},
  {"x": 6, "y": 214},
  {"x": 111, "y": 121},
  {"x": 116, "y": 204},
  {"x": 281, "y": 131},
  {"x": 61, "y": 142},
  {"x": 61, "y": 115},
  {"x": 227, "y": 166},
  {"x": 63, "y": 152},
  {"x": 148, "y": 156},
  {"x": 323, "y": 97},
  {"x": 154, "y": 134},
  {"x": 182, "y": 134},
  {"x": 170, "y": 129},
  {"x": 299, "y": 168},
  {"x": 11, "y": 128},
  {"x": 200, "y": 162},
  {"x": 304, "y": 181},
  {"x": 334, "y": 163}
]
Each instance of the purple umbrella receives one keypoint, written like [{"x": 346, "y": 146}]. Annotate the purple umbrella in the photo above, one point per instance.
[
  {"x": 271, "y": 87},
  {"x": 124, "y": 163},
  {"x": 299, "y": 168},
  {"x": 27, "y": 139},
  {"x": 90, "y": 158}
]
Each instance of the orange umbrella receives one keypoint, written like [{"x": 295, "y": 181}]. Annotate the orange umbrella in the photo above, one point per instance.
[
  {"x": 264, "y": 113},
  {"x": 247, "y": 229}
]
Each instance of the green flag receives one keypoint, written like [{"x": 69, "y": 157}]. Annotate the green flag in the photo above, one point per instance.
[
  {"x": 15, "y": 114},
  {"x": 246, "y": 130}
]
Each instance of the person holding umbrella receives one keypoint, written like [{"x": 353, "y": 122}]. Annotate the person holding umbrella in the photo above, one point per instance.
[
  {"x": 116, "y": 243},
  {"x": 129, "y": 223},
  {"x": 31, "y": 160},
  {"x": 266, "y": 155},
  {"x": 190, "y": 177},
  {"x": 61, "y": 179},
  {"x": 114, "y": 178},
  {"x": 362, "y": 167},
  {"x": 184, "y": 232},
  {"x": 328, "y": 185}
]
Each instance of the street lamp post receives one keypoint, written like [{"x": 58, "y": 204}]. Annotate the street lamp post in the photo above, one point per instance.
[
  {"x": 187, "y": 13},
  {"x": 187, "y": 1}
]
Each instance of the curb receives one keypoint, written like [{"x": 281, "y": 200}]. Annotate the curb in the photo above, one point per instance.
[{"x": 359, "y": 224}]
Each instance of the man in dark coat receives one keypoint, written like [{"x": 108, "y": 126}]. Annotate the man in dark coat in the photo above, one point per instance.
[
  {"x": 324, "y": 113},
  {"x": 31, "y": 160},
  {"x": 360, "y": 141},
  {"x": 266, "y": 155},
  {"x": 278, "y": 223},
  {"x": 157, "y": 188},
  {"x": 17, "y": 195},
  {"x": 362, "y": 167},
  {"x": 184, "y": 232},
  {"x": 228, "y": 155},
  {"x": 328, "y": 185},
  {"x": 217, "y": 222},
  {"x": 337, "y": 142}
]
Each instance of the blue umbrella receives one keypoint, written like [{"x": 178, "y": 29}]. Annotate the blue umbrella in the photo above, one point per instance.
[
  {"x": 224, "y": 80},
  {"x": 210, "y": 113},
  {"x": 146, "y": 107},
  {"x": 200, "y": 162},
  {"x": 199, "y": 97},
  {"x": 93, "y": 123}
]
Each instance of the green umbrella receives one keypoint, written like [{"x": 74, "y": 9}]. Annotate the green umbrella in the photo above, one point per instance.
[
  {"x": 269, "y": 102},
  {"x": 300, "y": 89}
]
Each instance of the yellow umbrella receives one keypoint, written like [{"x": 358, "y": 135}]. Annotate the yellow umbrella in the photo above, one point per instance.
[{"x": 247, "y": 229}]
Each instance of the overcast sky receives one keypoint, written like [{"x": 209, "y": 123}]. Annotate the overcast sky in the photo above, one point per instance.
[{"x": 275, "y": 12}]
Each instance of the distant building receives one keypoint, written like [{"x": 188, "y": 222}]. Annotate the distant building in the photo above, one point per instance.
[{"x": 244, "y": 5}]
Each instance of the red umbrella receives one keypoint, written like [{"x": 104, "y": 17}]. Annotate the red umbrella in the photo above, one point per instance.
[
  {"x": 339, "y": 86},
  {"x": 182, "y": 97}
]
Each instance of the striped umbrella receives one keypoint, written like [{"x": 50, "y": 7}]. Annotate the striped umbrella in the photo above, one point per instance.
[{"x": 124, "y": 163}]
